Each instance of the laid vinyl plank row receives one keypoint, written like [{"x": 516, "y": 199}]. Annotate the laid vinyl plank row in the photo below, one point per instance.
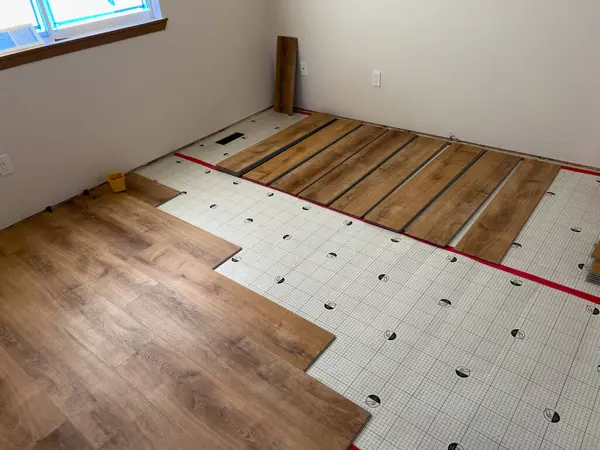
[
  {"x": 257, "y": 154},
  {"x": 260, "y": 388},
  {"x": 289, "y": 336},
  {"x": 492, "y": 234},
  {"x": 291, "y": 158},
  {"x": 338, "y": 181},
  {"x": 397, "y": 210},
  {"x": 318, "y": 166},
  {"x": 104, "y": 409},
  {"x": 441, "y": 221},
  {"x": 359, "y": 200}
]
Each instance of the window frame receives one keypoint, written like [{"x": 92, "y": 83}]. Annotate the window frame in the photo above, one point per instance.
[{"x": 50, "y": 33}]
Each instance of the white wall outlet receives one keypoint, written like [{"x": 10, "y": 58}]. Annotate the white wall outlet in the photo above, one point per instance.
[
  {"x": 6, "y": 165},
  {"x": 376, "y": 78},
  {"x": 304, "y": 68}
]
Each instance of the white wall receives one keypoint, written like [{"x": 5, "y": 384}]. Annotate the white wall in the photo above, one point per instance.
[
  {"x": 517, "y": 74},
  {"x": 68, "y": 121}
]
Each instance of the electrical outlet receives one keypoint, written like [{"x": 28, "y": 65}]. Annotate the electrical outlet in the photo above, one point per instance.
[
  {"x": 304, "y": 68},
  {"x": 6, "y": 165},
  {"x": 376, "y": 78}
]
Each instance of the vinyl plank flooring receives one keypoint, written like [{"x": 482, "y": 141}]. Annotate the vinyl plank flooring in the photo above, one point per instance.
[
  {"x": 195, "y": 398},
  {"x": 328, "y": 420},
  {"x": 359, "y": 200},
  {"x": 342, "y": 178},
  {"x": 140, "y": 219},
  {"x": 441, "y": 221},
  {"x": 64, "y": 437},
  {"x": 492, "y": 234},
  {"x": 289, "y": 336},
  {"x": 408, "y": 200},
  {"x": 319, "y": 165},
  {"x": 26, "y": 414},
  {"x": 257, "y": 154},
  {"x": 288, "y": 160}
]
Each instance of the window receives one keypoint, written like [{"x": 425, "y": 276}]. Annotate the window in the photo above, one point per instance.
[{"x": 56, "y": 19}]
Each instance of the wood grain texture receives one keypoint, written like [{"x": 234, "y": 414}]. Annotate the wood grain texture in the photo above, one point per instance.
[
  {"x": 81, "y": 43},
  {"x": 443, "y": 219},
  {"x": 408, "y": 200},
  {"x": 342, "y": 178},
  {"x": 146, "y": 347},
  {"x": 287, "y": 161},
  {"x": 285, "y": 74},
  {"x": 321, "y": 164},
  {"x": 257, "y": 154},
  {"x": 287, "y": 335},
  {"x": 359, "y": 200},
  {"x": 493, "y": 232}
]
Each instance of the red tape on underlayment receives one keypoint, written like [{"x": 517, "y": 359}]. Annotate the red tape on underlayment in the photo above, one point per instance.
[
  {"x": 586, "y": 171},
  {"x": 512, "y": 271}
]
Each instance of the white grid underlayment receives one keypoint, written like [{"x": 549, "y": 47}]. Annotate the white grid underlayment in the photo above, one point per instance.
[{"x": 440, "y": 349}]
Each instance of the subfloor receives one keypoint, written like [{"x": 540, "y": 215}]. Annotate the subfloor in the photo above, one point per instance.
[
  {"x": 116, "y": 333},
  {"x": 441, "y": 349}
]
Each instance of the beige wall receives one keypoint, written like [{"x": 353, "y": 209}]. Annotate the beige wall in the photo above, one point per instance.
[
  {"x": 68, "y": 121},
  {"x": 518, "y": 74}
]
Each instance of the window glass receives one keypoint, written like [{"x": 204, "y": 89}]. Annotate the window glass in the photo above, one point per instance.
[
  {"x": 19, "y": 12},
  {"x": 65, "y": 13}
]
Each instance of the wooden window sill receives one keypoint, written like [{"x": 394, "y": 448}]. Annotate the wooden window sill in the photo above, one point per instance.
[{"x": 81, "y": 43}]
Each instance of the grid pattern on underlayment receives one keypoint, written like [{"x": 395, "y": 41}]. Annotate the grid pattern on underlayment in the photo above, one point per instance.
[
  {"x": 254, "y": 130},
  {"x": 557, "y": 241},
  {"x": 440, "y": 349}
]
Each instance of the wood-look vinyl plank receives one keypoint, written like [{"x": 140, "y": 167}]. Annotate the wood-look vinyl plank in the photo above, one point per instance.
[
  {"x": 106, "y": 410},
  {"x": 26, "y": 413},
  {"x": 261, "y": 376},
  {"x": 293, "y": 157},
  {"x": 321, "y": 164},
  {"x": 363, "y": 197},
  {"x": 492, "y": 234},
  {"x": 443, "y": 219},
  {"x": 193, "y": 397},
  {"x": 140, "y": 219},
  {"x": 257, "y": 154},
  {"x": 407, "y": 201},
  {"x": 287, "y": 335},
  {"x": 285, "y": 74},
  {"x": 346, "y": 175},
  {"x": 64, "y": 437}
]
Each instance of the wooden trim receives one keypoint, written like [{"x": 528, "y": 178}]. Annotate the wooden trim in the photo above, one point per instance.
[{"x": 81, "y": 43}]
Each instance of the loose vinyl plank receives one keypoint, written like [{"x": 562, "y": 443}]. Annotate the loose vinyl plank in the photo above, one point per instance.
[
  {"x": 338, "y": 181},
  {"x": 319, "y": 165},
  {"x": 288, "y": 160},
  {"x": 492, "y": 234},
  {"x": 285, "y": 74},
  {"x": 443, "y": 219},
  {"x": 408, "y": 200},
  {"x": 359, "y": 200},
  {"x": 257, "y": 154}
]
